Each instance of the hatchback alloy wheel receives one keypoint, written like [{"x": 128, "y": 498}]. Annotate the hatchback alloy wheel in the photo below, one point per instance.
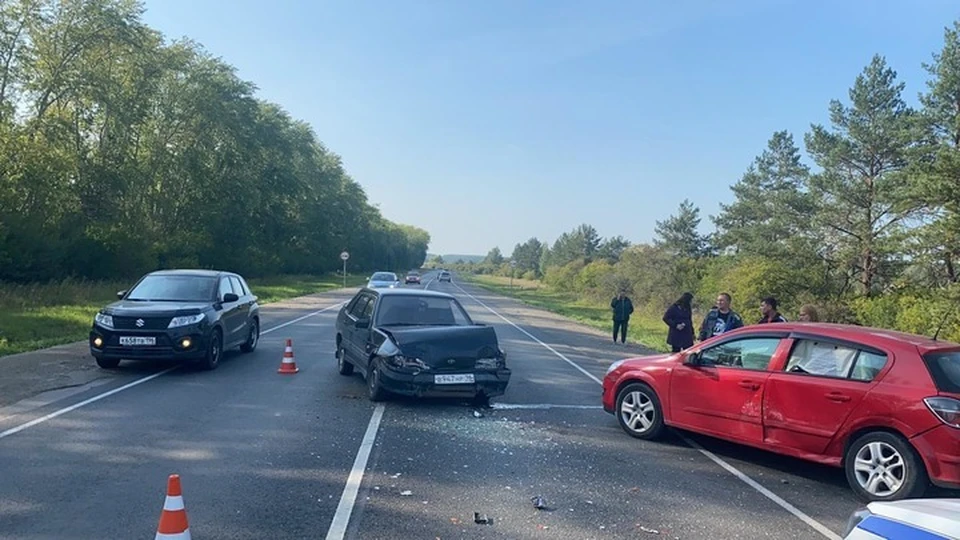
[
  {"x": 882, "y": 466},
  {"x": 879, "y": 469},
  {"x": 639, "y": 411}
]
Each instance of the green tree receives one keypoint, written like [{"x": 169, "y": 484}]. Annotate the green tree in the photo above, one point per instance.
[
  {"x": 771, "y": 210},
  {"x": 861, "y": 192},
  {"x": 938, "y": 187},
  {"x": 678, "y": 234},
  {"x": 494, "y": 257},
  {"x": 612, "y": 248},
  {"x": 527, "y": 255}
]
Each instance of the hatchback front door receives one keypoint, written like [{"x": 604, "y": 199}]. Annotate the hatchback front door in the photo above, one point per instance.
[{"x": 723, "y": 394}]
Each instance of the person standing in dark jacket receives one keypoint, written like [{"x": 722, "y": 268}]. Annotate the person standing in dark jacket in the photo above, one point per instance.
[
  {"x": 622, "y": 309},
  {"x": 679, "y": 319},
  {"x": 768, "y": 308}
]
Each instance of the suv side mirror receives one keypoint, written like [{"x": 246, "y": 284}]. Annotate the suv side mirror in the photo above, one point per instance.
[
  {"x": 230, "y": 297},
  {"x": 363, "y": 323},
  {"x": 121, "y": 294}
]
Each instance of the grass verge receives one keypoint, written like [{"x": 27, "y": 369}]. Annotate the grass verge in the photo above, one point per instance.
[
  {"x": 645, "y": 329},
  {"x": 40, "y": 315}
]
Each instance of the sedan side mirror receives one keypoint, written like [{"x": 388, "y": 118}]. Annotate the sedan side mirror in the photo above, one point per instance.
[
  {"x": 230, "y": 297},
  {"x": 121, "y": 294},
  {"x": 363, "y": 323},
  {"x": 692, "y": 359}
]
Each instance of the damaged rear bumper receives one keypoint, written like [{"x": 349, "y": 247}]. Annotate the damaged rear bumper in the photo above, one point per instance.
[{"x": 486, "y": 383}]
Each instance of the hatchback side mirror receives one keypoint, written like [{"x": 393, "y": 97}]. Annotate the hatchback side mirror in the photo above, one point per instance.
[
  {"x": 692, "y": 359},
  {"x": 363, "y": 323},
  {"x": 230, "y": 297},
  {"x": 121, "y": 294}
]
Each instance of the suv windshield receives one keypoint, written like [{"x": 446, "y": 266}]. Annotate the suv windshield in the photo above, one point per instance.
[
  {"x": 944, "y": 367},
  {"x": 384, "y": 276},
  {"x": 174, "y": 289},
  {"x": 421, "y": 310}
]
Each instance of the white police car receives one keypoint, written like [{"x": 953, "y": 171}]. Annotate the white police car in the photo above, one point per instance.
[{"x": 910, "y": 519}]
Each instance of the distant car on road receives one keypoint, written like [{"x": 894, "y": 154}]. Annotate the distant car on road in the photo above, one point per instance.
[
  {"x": 190, "y": 315},
  {"x": 883, "y": 405},
  {"x": 915, "y": 518},
  {"x": 418, "y": 343},
  {"x": 412, "y": 277},
  {"x": 381, "y": 280},
  {"x": 444, "y": 276}
]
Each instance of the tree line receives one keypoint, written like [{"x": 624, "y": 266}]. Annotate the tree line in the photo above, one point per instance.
[
  {"x": 122, "y": 153},
  {"x": 871, "y": 234}
]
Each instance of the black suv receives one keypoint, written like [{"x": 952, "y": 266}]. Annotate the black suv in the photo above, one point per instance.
[
  {"x": 190, "y": 315},
  {"x": 419, "y": 343}
]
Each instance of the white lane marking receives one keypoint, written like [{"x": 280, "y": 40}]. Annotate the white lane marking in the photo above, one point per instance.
[
  {"x": 819, "y": 527},
  {"x": 98, "y": 397},
  {"x": 83, "y": 403},
  {"x": 529, "y": 335},
  {"x": 338, "y": 527},
  {"x": 799, "y": 514},
  {"x": 298, "y": 319},
  {"x": 541, "y": 406}
]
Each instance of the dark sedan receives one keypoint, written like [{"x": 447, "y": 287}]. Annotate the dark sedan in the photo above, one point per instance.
[
  {"x": 419, "y": 343},
  {"x": 188, "y": 315}
]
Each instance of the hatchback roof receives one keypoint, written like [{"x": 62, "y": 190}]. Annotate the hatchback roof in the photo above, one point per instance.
[{"x": 865, "y": 334}]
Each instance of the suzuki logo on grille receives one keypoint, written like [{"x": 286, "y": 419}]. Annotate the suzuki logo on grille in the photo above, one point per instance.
[{"x": 140, "y": 323}]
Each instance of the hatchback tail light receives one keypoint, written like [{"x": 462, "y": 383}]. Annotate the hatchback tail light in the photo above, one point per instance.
[{"x": 946, "y": 409}]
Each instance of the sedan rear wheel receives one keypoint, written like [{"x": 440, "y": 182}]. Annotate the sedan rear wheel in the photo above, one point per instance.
[
  {"x": 639, "y": 412},
  {"x": 881, "y": 466}
]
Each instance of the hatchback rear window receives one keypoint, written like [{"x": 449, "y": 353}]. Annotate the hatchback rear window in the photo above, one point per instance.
[{"x": 944, "y": 367}]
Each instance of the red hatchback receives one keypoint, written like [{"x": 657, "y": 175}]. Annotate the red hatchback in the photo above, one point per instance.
[{"x": 883, "y": 405}]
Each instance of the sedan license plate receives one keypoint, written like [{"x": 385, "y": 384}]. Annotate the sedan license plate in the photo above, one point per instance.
[
  {"x": 465, "y": 378},
  {"x": 137, "y": 340}
]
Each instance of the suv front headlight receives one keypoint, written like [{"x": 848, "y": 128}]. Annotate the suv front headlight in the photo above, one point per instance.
[
  {"x": 186, "y": 320},
  {"x": 104, "y": 320}
]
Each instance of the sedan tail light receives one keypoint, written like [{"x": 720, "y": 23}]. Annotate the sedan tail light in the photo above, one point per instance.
[{"x": 947, "y": 410}]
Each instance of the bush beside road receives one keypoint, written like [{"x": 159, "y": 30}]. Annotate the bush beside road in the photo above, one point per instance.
[
  {"x": 40, "y": 315},
  {"x": 645, "y": 328}
]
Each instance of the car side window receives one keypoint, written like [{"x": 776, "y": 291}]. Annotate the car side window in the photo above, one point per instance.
[
  {"x": 368, "y": 309},
  {"x": 357, "y": 310},
  {"x": 225, "y": 287},
  {"x": 821, "y": 358},
  {"x": 747, "y": 353},
  {"x": 868, "y": 366},
  {"x": 237, "y": 286}
]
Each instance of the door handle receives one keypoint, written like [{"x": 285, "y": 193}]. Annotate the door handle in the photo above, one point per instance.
[
  {"x": 839, "y": 398},
  {"x": 749, "y": 385}
]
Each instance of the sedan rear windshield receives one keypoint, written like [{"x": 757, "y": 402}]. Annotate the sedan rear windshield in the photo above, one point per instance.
[
  {"x": 421, "y": 311},
  {"x": 944, "y": 367},
  {"x": 383, "y": 276},
  {"x": 174, "y": 289}
]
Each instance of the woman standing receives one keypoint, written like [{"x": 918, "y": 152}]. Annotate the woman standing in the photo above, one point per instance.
[{"x": 679, "y": 318}]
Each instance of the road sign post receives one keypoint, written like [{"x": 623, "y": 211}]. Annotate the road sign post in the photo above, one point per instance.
[
  {"x": 513, "y": 266},
  {"x": 343, "y": 257}
]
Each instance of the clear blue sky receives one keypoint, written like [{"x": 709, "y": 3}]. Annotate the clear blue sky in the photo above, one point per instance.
[{"x": 487, "y": 122}]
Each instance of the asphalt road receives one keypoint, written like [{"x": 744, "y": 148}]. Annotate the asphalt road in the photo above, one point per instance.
[{"x": 264, "y": 455}]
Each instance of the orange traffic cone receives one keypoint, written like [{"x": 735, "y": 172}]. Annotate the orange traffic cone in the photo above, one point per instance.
[
  {"x": 288, "y": 365},
  {"x": 173, "y": 520}
]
